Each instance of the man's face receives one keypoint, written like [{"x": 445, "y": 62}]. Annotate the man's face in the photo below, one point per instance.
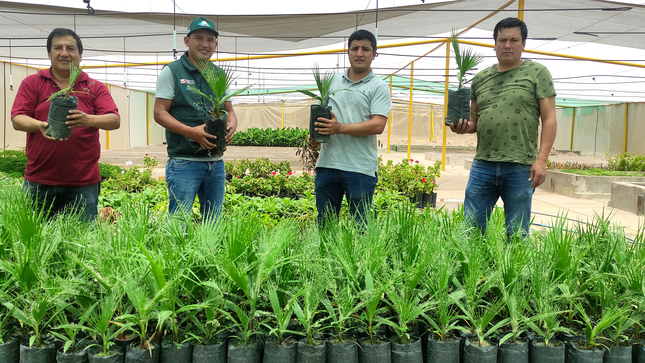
[
  {"x": 201, "y": 44},
  {"x": 361, "y": 54},
  {"x": 63, "y": 52},
  {"x": 509, "y": 46}
]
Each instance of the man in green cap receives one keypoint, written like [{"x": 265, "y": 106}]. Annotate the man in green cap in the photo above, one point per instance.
[{"x": 191, "y": 169}]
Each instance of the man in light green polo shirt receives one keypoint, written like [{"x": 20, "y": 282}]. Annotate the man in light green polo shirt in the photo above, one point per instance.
[{"x": 348, "y": 164}]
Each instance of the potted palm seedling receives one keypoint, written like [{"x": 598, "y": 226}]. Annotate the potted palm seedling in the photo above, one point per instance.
[
  {"x": 373, "y": 348},
  {"x": 311, "y": 348},
  {"x": 73, "y": 349},
  {"x": 209, "y": 345},
  {"x": 281, "y": 349},
  {"x": 324, "y": 81},
  {"x": 100, "y": 325},
  {"x": 61, "y": 103},
  {"x": 589, "y": 350},
  {"x": 219, "y": 80},
  {"x": 459, "y": 100}
]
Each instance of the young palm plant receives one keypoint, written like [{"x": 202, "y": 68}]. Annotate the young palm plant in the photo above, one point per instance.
[
  {"x": 100, "y": 323},
  {"x": 324, "y": 81},
  {"x": 219, "y": 80},
  {"x": 61, "y": 103},
  {"x": 459, "y": 100}
]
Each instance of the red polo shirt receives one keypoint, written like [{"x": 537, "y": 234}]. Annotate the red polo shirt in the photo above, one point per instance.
[{"x": 73, "y": 162}]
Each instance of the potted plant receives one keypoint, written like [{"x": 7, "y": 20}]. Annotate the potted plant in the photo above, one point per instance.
[
  {"x": 322, "y": 109},
  {"x": 100, "y": 325},
  {"x": 373, "y": 348},
  {"x": 73, "y": 349},
  {"x": 421, "y": 187},
  {"x": 459, "y": 100},
  {"x": 210, "y": 344},
  {"x": 589, "y": 350},
  {"x": 279, "y": 350},
  {"x": 9, "y": 348},
  {"x": 219, "y": 80},
  {"x": 61, "y": 103}
]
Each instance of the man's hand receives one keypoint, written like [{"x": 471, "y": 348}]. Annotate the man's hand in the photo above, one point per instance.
[
  {"x": 43, "y": 130},
  {"x": 199, "y": 134},
  {"x": 78, "y": 118},
  {"x": 538, "y": 173},
  {"x": 231, "y": 127},
  {"x": 328, "y": 126},
  {"x": 462, "y": 127}
]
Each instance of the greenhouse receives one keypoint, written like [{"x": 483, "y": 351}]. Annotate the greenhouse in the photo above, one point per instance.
[{"x": 266, "y": 281}]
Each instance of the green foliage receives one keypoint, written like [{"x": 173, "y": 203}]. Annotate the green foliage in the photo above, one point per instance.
[
  {"x": 466, "y": 59},
  {"x": 13, "y": 162},
  {"x": 627, "y": 162},
  {"x": 289, "y": 136},
  {"x": 408, "y": 177},
  {"x": 133, "y": 180},
  {"x": 219, "y": 79},
  {"x": 323, "y": 85},
  {"x": 74, "y": 72}
]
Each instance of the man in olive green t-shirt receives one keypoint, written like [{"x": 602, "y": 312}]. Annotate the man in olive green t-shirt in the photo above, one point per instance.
[{"x": 507, "y": 102}]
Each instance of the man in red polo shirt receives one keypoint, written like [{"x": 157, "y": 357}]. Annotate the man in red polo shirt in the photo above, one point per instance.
[{"x": 64, "y": 174}]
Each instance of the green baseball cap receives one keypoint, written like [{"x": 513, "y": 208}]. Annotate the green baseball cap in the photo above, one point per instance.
[{"x": 201, "y": 23}]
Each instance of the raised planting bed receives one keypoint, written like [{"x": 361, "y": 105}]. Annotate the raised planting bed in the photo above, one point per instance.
[
  {"x": 628, "y": 196},
  {"x": 584, "y": 186}
]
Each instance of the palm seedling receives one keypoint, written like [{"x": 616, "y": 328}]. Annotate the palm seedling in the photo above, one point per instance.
[
  {"x": 595, "y": 328},
  {"x": 219, "y": 80},
  {"x": 466, "y": 60},
  {"x": 311, "y": 295},
  {"x": 324, "y": 81},
  {"x": 206, "y": 319},
  {"x": 459, "y": 100},
  {"x": 70, "y": 332},
  {"x": 249, "y": 266},
  {"x": 372, "y": 301},
  {"x": 100, "y": 323},
  {"x": 282, "y": 312},
  {"x": 61, "y": 103}
]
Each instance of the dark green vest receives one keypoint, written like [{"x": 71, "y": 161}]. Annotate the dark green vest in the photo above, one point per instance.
[{"x": 188, "y": 107}]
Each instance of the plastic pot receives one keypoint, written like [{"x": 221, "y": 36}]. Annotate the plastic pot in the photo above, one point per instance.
[
  {"x": 540, "y": 353},
  {"x": 78, "y": 357},
  {"x": 315, "y": 112},
  {"x": 442, "y": 352},
  {"x": 513, "y": 352},
  {"x": 311, "y": 353},
  {"x": 44, "y": 354},
  {"x": 638, "y": 351},
  {"x": 173, "y": 353},
  {"x": 277, "y": 353},
  {"x": 407, "y": 353},
  {"x": 59, "y": 108},
  {"x": 458, "y": 106},
  {"x": 617, "y": 354},
  {"x": 342, "y": 352},
  {"x": 217, "y": 128},
  {"x": 380, "y": 352},
  {"x": 212, "y": 353},
  {"x": 137, "y": 355},
  {"x": 10, "y": 352},
  {"x": 115, "y": 356},
  {"x": 238, "y": 353},
  {"x": 578, "y": 355},
  {"x": 475, "y": 354}
]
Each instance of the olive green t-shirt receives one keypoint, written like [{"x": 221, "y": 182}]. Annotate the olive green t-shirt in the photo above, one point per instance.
[{"x": 508, "y": 111}]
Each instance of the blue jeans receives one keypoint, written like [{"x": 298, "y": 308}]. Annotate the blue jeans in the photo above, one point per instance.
[
  {"x": 187, "y": 179},
  {"x": 61, "y": 199},
  {"x": 333, "y": 184},
  {"x": 488, "y": 182}
]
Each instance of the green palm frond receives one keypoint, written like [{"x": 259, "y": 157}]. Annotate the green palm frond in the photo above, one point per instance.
[
  {"x": 466, "y": 59},
  {"x": 219, "y": 79},
  {"x": 323, "y": 84},
  {"x": 74, "y": 72}
]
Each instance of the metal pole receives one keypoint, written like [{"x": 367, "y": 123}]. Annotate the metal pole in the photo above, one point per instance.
[{"x": 410, "y": 110}]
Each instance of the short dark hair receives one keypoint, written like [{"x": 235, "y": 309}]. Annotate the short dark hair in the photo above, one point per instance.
[
  {"x": 360, "y": 35},
  {"x": 63, "y": 32},
  {"x": 511, "y": 23}
]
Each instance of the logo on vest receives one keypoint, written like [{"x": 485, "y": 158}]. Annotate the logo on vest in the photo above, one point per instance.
[{"x": 186, "y": 81}]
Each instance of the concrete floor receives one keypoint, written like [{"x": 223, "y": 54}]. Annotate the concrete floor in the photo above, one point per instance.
[{"x": 452, "y": 183}]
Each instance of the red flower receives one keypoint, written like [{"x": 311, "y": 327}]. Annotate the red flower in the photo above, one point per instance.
[
  {"x": 273, "y": 173},
  {"x": 423, "y": 180},
  {"x": 290, "y": 172},
  {"x": 411, "y": 159},
  {"x": 417, "y": 161}
]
